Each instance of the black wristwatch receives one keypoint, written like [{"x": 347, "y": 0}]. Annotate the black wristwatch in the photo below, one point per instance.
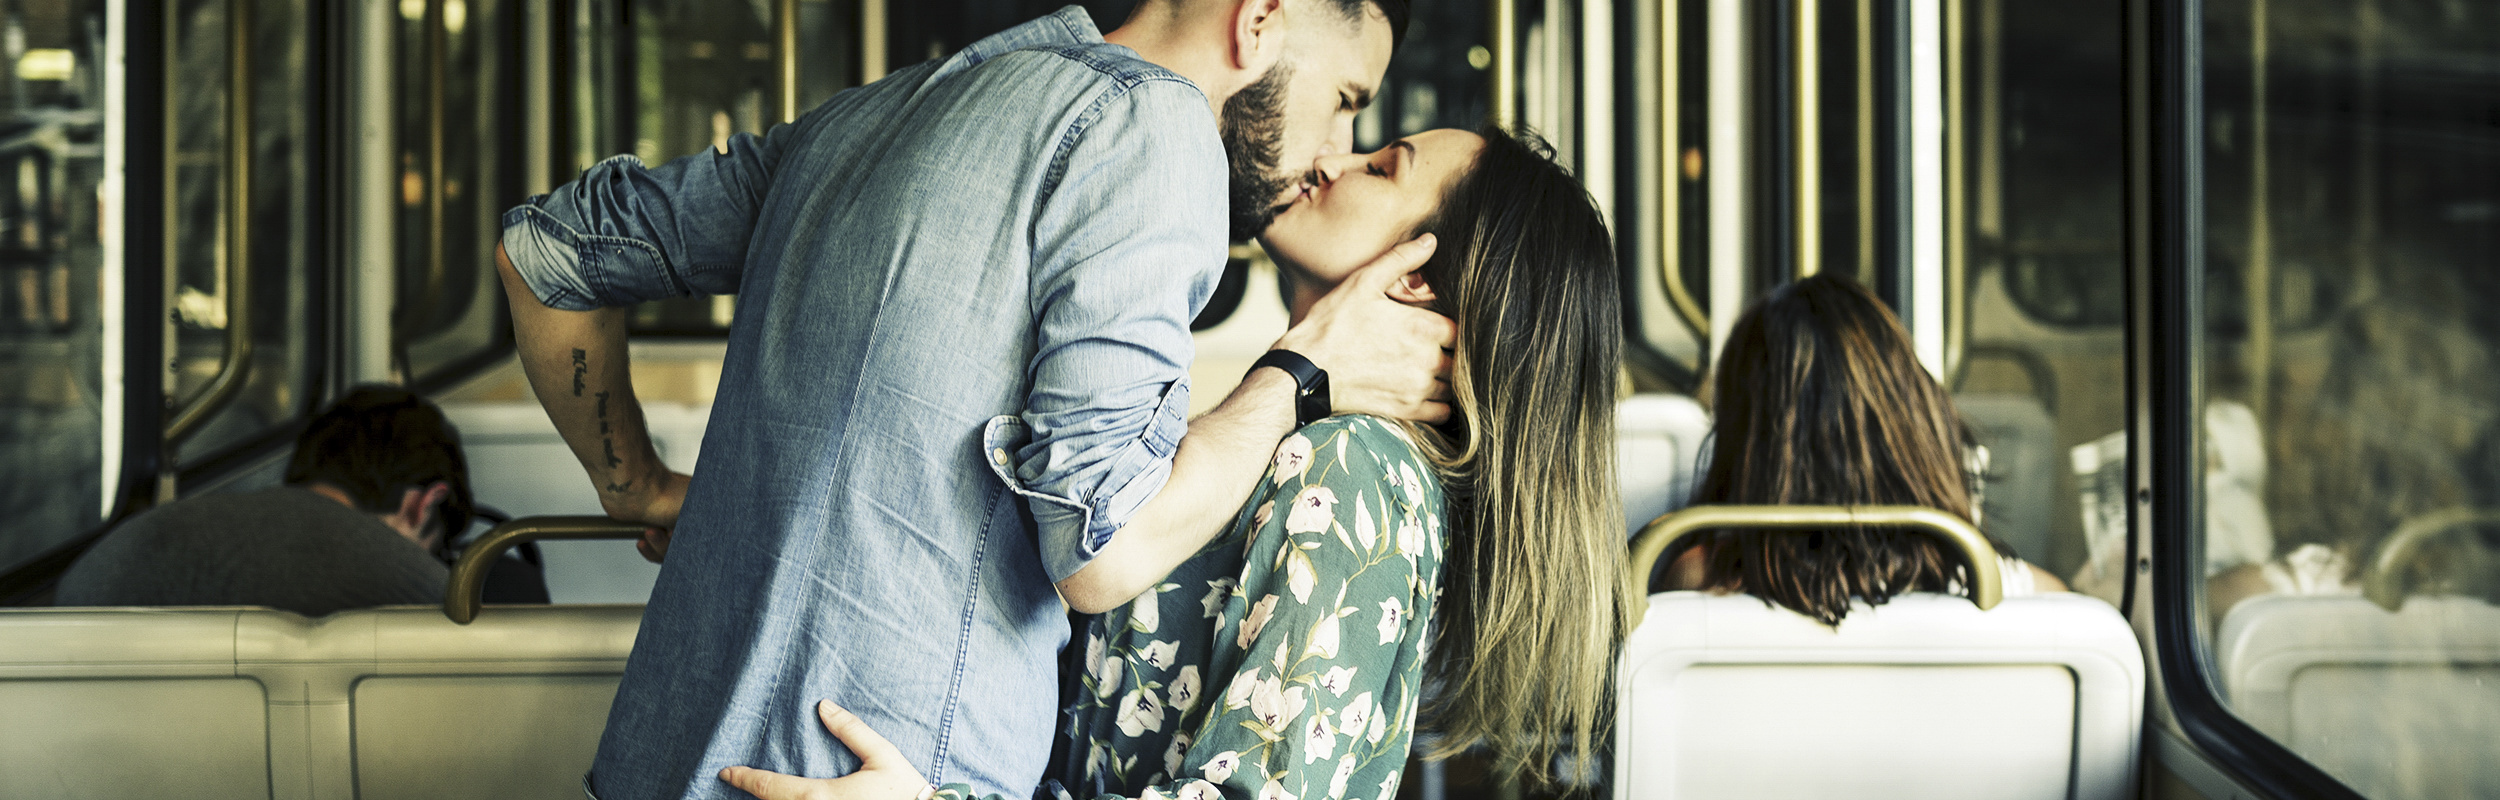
[{"x": 1310, "y": 394}]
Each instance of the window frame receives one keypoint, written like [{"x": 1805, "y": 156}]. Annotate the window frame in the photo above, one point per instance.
[{"x": 2163, "y": 58}]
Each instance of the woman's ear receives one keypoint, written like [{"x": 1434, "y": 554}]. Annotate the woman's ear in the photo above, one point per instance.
[{"x": 1412, "y": 290}]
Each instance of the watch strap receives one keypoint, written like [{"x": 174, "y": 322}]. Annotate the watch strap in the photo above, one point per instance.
[{"x": 1311, "y": 402}]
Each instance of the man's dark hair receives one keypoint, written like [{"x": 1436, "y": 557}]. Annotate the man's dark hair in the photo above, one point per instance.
[
  {"x": 1396, "y": 10},
  {"x": 378, "y": 441}
]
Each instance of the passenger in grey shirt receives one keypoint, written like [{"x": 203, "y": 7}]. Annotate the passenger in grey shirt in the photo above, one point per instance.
[{"x": 375, "y": 484}]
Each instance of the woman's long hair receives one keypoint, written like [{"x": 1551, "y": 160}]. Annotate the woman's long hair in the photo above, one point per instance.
[
  {"x": 1820, "y": 401},
  {"x": 1532, "y": 614}
]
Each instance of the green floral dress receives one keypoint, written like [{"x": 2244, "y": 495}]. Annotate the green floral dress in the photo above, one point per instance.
[{"x": 1283, "y": 661}]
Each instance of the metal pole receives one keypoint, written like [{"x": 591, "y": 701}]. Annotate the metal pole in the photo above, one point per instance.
[
  {"x": 785, "y": 60},
  {"x": 1806, "y": 128},
  {"x": 235, "y": 368}
]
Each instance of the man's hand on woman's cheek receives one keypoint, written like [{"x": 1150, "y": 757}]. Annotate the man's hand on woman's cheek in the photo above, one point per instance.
[{"x": 1384, "y": 357}]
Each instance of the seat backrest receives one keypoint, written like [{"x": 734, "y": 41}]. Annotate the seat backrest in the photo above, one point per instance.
[
  {"x": 1658, "y": 452},
  {"x": 518, "y": 463},
  {"x": 235, "y": 702},
  {"x": 2394, "y": 704},
  {"x": 1923, "y": 697}
]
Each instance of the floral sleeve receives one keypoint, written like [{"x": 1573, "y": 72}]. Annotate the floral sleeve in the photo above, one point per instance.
[{"x": 1311, "y": 621}]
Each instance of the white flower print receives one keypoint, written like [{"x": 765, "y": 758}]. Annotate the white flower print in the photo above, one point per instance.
[
  {"x": 1292, "y": 457},
  {"x": 1408, "y": 483},
  {"x": 1318, "y": 740},
  {"x": 1410, "y": 539},
  {"x": 1146, "y": 613},
  {"x": 1259, "y": 614},
  {"x": 1200, "y": 790},
  {"x": 1267, "y": 511},
  {"x": 1220, "y": 768},
  {"x": 1392, "y": 620},
  {"x": 1380, "y": 723},
  {"x": 1364, "y": 530},
  {"x": 1106, "y": 667},
  {"x": 1357, "y": 717},
  {"x": 1324, "y": 637},
  {"x": 1153, "y": 793},
  {"x": 1218, "y": 591},
  {"x": 1172, "y": 757},
  {"x": 1159, "y": 654},
  {"x": 1274, "y": 791},
  {"x": 1184, "y": 691},
  {"x": 1097, "y": 759},
  {"x": 1275, "y": 706},
  {"x": 1093, "y": 661},
  {"x": 1336, "y": 783},
  {"x": 1299, "y": 576},
  {"x": 1244, "y": 683},
  {"x": 1140, "y": 711},
  {"x": 1337, "y": 679},
  {"x": 1312, "y": 510},
  {"x": 1389, "y": 786}
]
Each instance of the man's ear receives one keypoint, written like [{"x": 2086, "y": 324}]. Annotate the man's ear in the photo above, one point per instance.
[
  {"x": 418, "y": 507},
  {"x": 1258, "y": 36}
]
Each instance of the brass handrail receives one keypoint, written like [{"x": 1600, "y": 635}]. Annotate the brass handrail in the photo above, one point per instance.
[
  {"x": 1671, "y": 180},
  {"x": 872, "y": 41},
  {"x": 2382, "y": 584},
  {"x": 1807, "y": 131},
  {"x": 234, "y": 369},
  {"x": 785, "y": 60},
  {"x": 468, "y": 577},
  {"x": 1503, "y": 16},
  {"x": 1987, "y": 584}
]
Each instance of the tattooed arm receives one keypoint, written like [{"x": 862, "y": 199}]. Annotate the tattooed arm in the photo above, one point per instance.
[{"x": 576, "y": 363}]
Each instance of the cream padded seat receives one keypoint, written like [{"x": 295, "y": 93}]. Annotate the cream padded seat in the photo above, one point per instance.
[
  {"x": 2394, "y": 704},
  {"x": 1658, "y": 453},
  {"x": 1924, "y": 697},
  {"x": 253, "y": 703}
]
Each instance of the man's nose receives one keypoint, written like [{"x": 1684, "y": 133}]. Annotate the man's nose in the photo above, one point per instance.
[{"x": 1328, "y": 167}]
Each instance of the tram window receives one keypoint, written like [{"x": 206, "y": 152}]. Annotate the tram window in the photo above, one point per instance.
[
  {"x": 281, "y": 271},
  {"x": 51, "y": 328},
  {"x": 2353, "y": 172},
  {"x": 460, "y": 166},
  {"x": 2039, "y": 362}
]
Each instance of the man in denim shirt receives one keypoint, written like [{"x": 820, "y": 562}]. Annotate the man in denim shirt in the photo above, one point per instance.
[{"x": 958, "y": 374}]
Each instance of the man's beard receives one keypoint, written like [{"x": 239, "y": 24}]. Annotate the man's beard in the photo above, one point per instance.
[{"x": 1253, "y": 129}]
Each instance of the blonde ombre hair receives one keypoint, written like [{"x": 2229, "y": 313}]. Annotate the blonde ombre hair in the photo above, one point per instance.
[{"x": 1532, "y": 613}]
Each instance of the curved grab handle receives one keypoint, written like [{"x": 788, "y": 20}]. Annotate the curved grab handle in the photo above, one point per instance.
[
  {"x": 468, "y": 578},
  {"x": 1988, "y": 586},
  {"x": 2382, "y": 584},
  {"x": 235, "y": 368}
]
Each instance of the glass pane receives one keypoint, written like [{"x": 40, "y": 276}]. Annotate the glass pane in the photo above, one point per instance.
[
  {"x": 51, "y": 393},
  {"x": 2352, "y": 425},
  {"x": 451, "y": 307},
  {"x": 2042, "y": 388},
  {"x": 281, "y": 221}
]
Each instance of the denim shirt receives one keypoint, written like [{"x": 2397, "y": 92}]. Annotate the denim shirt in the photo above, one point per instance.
[{"x": 959, "y": 364}]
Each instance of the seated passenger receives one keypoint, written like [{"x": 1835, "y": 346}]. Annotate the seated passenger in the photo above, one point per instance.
[
  {"x": 1819, "y": 400},
  {"x": 1289, "y": 656},
  {"x": 376, "y": 484}
]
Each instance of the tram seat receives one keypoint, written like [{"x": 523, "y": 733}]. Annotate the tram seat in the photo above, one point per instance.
[
  {"x": 1923, "y": 697},
  {"x": 518, "y": 463},
  {"x": 2394, "y": 704},
  {"x": 1658, "y": 454},
  {"x": 249, "y": 702}
]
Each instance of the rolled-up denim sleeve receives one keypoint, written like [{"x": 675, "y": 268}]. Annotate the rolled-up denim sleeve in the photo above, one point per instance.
[
  {"x": 1126, "y": 249},
  {"x": 624, "y": 233}
]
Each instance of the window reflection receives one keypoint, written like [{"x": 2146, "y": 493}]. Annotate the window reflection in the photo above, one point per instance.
[
  {"x": 51, "y": 365},
  {"x": 2354, "y": 395}
]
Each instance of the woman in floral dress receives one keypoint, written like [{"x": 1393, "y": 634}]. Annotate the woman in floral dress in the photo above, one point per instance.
[{"x": 1287, "y": 659}]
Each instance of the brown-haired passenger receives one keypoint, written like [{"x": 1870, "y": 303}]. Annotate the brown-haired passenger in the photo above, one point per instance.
[
  {"x": 375, "y": 487},
  {"x": 1819, "y": 399},
  {"x": 1288, "y": 657}
]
